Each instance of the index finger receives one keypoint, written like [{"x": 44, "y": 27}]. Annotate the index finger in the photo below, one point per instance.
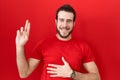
[
  {"x": 27, "y": 26},
  {"x": 54, "y": 65}
]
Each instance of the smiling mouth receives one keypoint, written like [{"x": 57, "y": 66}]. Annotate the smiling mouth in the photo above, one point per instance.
[{"x": 64, "y": 28}]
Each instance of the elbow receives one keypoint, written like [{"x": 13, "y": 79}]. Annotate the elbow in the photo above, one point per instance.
[
  {"x": 22, "y": 75},
  {"x": 95, "y": 76},
  {"x": 98, "y": 77}
]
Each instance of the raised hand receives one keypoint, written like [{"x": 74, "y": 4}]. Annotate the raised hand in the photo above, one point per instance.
[
  {"x": 63, "y": 71},
  {"x": 22, "y": 35}
]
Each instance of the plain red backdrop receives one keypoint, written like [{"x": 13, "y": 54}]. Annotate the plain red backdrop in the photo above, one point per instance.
[{"x": 98, "y": 23}]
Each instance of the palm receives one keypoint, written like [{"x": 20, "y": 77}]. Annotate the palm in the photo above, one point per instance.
[{"x": 23, "y": 34}]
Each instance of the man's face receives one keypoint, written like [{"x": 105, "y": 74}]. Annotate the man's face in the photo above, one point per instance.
[{"x": 64, "y": 23}]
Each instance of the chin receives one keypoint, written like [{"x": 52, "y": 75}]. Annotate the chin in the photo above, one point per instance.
[{"x": 63, "y": 36}]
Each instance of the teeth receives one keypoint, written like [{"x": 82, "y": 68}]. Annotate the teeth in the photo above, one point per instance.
[{"x": 64, "y": 29}]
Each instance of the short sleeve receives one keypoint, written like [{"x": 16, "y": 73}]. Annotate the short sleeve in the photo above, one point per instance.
[
  {"x": 87, "y": 54},
  {"x": 37, "y": 51}
]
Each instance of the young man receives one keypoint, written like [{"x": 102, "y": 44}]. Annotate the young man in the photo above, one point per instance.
[{"x": 61, "y": 56}]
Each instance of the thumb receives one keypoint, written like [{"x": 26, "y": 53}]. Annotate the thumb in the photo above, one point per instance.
[{"x": 64, "y": 61}]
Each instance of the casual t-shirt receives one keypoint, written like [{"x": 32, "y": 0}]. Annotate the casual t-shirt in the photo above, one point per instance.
[{"x": 51, "y": 51}]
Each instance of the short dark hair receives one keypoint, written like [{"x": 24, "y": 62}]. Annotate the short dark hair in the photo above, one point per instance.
[{"x": 67, "y": 8}]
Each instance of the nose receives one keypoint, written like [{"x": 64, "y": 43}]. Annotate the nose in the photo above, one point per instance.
[{"x": 64, "y": 24}]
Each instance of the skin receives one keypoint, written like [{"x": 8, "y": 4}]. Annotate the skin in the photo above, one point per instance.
[{"x": 64, "y": 25}]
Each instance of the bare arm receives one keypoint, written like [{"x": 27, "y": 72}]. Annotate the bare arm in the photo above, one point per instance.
[
  {"x": 92, "y": 74},
  {"x": 66, "y": 71},
  {"x": 25, "y": 67}
]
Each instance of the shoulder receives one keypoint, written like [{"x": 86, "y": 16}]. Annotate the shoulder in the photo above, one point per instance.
[
  {"x": 46, "y": 40},
  {"x": 82, "y": 44}
]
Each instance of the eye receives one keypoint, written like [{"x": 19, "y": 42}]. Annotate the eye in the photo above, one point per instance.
[
  {"x": 69, "y": 20},
  {"x": 61, "y": 20}
]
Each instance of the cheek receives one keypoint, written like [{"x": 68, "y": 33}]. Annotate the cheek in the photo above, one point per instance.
[
  {"x": 70, "y": 26},
  {"x": 59, "y": 26}
]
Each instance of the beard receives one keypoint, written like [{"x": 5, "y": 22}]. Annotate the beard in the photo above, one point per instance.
[{"x": 62, "y": 35}]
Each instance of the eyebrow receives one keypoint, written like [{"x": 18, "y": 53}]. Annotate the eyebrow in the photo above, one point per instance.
[{"x": 63, "y": 19}]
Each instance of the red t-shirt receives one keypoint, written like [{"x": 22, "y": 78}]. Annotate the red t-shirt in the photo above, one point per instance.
[{"x": 51, "y": 50}]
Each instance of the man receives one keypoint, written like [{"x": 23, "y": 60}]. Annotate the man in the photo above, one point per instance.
[{"x": 61, "y": 56}]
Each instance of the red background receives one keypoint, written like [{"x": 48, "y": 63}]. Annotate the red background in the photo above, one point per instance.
[{"x": 98, "y": 23}]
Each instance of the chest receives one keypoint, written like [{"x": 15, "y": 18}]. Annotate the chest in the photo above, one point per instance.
[{"x": 53, "y": 54}]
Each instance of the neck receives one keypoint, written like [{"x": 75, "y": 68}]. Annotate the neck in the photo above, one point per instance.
[{"x": 63, "y": 39}]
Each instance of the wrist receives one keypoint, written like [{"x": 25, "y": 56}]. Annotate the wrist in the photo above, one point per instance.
[
  {"x": 73, "y": 74},
  {"x": 19, "y": 46}
]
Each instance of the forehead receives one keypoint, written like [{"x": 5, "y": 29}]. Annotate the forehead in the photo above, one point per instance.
[{"x": 65, "y": 15}]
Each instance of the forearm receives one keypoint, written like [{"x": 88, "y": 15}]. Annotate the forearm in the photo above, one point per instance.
[
  {"x": 22, "y": 63},
  {"x": 86, "y": 76}
]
